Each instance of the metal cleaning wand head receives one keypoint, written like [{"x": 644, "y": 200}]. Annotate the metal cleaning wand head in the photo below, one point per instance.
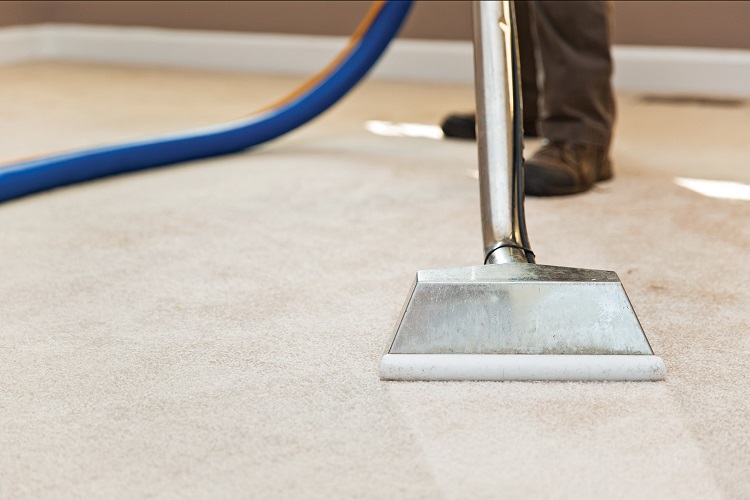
[{"x": 512, "y": 319}]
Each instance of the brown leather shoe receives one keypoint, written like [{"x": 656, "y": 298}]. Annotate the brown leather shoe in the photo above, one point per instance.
[
  {"x": 463, "y": 126},
  {"x": 561, "y": 168}
]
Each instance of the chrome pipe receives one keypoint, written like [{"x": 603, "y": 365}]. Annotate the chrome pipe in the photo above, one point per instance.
[{"x": 494, "y": 105}]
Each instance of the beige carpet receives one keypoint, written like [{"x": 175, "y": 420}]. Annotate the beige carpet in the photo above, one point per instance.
[{"x": 213, "y": 330}]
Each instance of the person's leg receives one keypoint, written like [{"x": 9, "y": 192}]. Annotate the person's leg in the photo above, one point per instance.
[
  {"x": 577, "y": 105},
  {"x": 463, "y": 125},
  {"x": 573, "y": 40}
]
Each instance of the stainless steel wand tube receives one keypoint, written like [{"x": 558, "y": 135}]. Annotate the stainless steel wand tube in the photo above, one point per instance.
[{"x": 494, "y": 104}]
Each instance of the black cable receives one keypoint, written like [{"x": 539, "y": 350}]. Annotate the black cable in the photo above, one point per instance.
[
  {"x": 527, "y": 250},
  {"x": 518, "y": 137}
]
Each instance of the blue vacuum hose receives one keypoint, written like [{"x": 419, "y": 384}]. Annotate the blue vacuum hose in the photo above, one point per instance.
[{"x": 79, "y": 166}]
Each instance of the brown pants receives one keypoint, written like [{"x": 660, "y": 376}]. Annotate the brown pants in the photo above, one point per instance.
[{"x": 566, "y": 69}]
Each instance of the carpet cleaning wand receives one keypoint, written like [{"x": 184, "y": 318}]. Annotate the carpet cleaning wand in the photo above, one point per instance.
[{"x": 512, "y": 319}]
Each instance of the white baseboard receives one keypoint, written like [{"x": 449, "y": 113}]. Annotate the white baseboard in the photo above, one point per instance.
[
  {"x": 682, "y": 70},
  {"x": 18, "y": 44},
  {"x": 643, "y": 69}
]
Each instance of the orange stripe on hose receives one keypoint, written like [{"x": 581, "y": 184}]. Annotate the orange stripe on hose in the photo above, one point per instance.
[{"x": 364, "y": 25}]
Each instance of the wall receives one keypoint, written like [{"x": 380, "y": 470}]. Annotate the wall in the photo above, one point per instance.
[
  {"x": 715, "y": 24},
  {"x": 720, "y": 24}
]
